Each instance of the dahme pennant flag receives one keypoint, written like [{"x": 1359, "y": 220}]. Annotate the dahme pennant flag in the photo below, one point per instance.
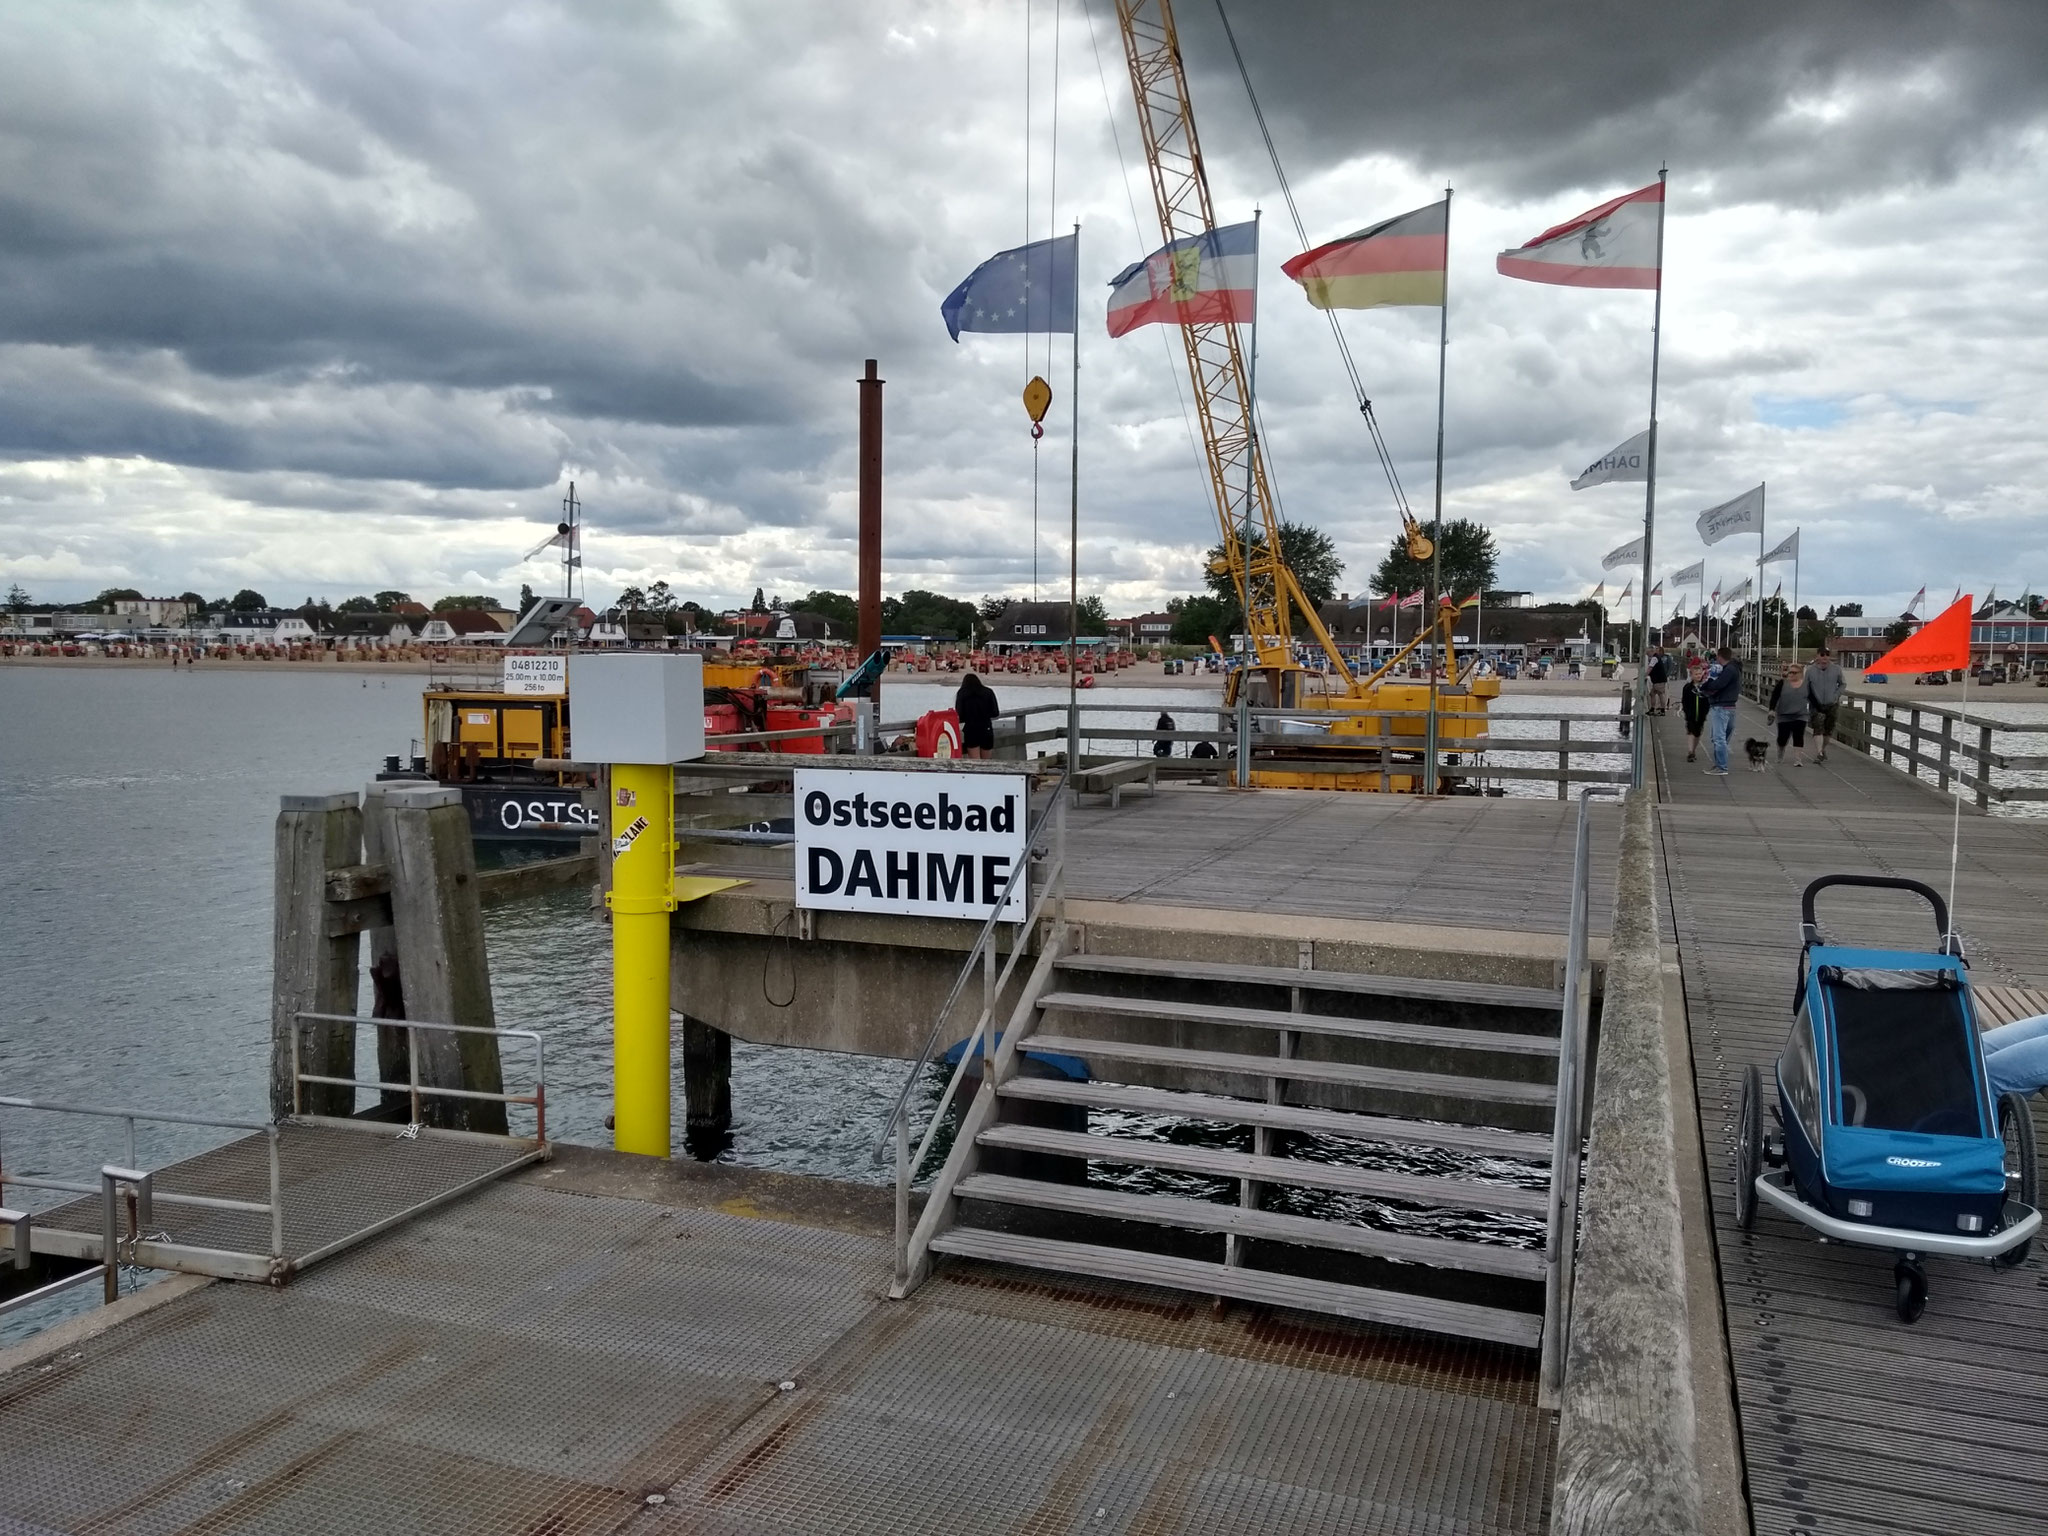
[
  {"x": 1787, "y": 550},
  {"x": 1029, "y": 289},
  {"x": 1396, "y": 261},
  {"x": 1630, "y": 553},
  {"x": 1631, "y": 461},
  {"x": 1612, "y": 246},
  {"x": 1742, "y": 514},
  {"x": 1697, "y": 571}
]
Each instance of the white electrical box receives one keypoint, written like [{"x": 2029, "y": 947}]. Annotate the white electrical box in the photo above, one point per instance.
[{"x": 636, "y": 707}]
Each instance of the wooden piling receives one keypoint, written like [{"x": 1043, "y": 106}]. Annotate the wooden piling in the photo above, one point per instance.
[
  {"x": 439, "y": 925},
  {"x": 380, "y": 957},
  {"x": 707, "y": 1087},
  {"x": 313, "y": 965}
]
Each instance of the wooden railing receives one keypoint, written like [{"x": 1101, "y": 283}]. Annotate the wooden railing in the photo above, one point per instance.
[{"x": 1957, "y": 747}]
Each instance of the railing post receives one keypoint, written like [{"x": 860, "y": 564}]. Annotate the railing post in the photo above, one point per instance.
[
  {"x": 1913, "y": 743},
  {"x": 1564, "y": 757},
  {"x": 903, "y": 1199},
  {"x": 1983, "y": 767},
  {"x": 1948, "y": 743},
  {"x": 276, "y": 1198},
  {"x": 1566, "y": 1129}
]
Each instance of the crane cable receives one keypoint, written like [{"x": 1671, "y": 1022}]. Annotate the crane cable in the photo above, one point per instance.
[{"x": 1372, "y": 425}]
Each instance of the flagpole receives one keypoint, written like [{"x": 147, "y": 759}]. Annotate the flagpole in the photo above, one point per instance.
[
  {"x": 1251, "y": 461},
  {"x": 1795, "y": 597},
  {"x": 1757, "y": 614},
  {"x": 1074, "y": 536},
  {"x": 1650, "y": 468},
  {"x": 1436, "y": 557}
]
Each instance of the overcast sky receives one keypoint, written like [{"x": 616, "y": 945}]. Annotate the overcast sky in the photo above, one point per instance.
[{"x": 323, "y": 297}]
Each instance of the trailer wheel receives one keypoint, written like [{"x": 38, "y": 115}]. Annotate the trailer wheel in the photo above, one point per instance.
[
  {"x": 1911, "y": 1280},
  {"x": 1749, "y": 1145},
  {"x": 2022, "y": 1168}
]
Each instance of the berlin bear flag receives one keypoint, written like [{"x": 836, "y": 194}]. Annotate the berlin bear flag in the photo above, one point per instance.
[
  {"x": 1612, "y": 246},
  {"x": 1942, "y": 644}
]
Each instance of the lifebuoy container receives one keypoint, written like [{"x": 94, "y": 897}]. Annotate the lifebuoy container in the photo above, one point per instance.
[{"x": 938, "y": 734}]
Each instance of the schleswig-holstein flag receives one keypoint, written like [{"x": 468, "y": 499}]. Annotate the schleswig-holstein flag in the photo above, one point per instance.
[{"x": 1206, "y": 278}]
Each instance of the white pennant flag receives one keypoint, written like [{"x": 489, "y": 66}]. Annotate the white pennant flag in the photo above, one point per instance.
[
  {"x": 1744, "y": 514},
  {"x": 1630, "y": 553},
  {"x": 1696, "y": 572},
  {"x": 564, "y": 537},
  {"x": 1788, "y": 550},
  {"x": 1631, "y": 461},
  {"x": 1740, "y": 593},
  {"x": 1626, "y": 590}
]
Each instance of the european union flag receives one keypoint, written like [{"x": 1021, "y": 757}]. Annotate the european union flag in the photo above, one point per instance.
[{"x": 1032, "y": 288}]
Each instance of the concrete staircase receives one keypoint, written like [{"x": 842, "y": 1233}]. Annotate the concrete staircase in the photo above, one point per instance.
[{"x": 1372, "y": 1147}]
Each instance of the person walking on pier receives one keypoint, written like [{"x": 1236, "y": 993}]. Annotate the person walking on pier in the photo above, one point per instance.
[
  {"x": 976, "y": 706},
  {"x": 1723, "y": 691},
  {"x": 1163, "y": 723},
  {"x": 1660, "y": 676},
  {"x": 1825, "y": 685},
  {"x": 1692, "y": 708},
  {"x": 1792, "y": 703}
]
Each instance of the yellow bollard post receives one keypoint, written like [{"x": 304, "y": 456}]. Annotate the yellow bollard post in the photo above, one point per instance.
[
  {"x": 640, "y": 713},
  {"x": 641, "y": 898}
]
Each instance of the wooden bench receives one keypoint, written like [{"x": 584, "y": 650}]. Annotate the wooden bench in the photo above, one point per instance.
[{"x": 1112, "y": 779}]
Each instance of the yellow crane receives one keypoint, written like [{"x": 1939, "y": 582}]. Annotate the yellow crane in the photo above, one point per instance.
[{"x": 1345, "y": 715}]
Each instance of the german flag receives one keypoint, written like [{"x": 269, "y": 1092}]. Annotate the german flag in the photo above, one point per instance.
[{"x": 1398, "y": 261}]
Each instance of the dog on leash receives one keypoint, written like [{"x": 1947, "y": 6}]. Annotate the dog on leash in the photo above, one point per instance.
[{"x": 1759, "y": 754}]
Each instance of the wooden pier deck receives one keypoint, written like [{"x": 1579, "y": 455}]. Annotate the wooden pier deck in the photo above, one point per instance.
[{"x": 1850, "y": 1420}]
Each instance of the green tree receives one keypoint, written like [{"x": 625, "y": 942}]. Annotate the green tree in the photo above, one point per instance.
[
  {"x": 104, "y": 603},
  {"x": 1898, "y": 629},
  {"x": 1310, "y": 554},
  {"x": 525, "y": 597},
  {"x": 992, "y": 608},
  {"x": 17, "y": 598},
  {"x": 835, "y": 607},
  {"x": 1469, "y": 559},
  {"x": 760, "y": 603},
  {"x": 387, "y": 601},
  {"x": 198, "y": 603},
  {"x": 356, "y": 605},
  {"x": 248, "y": 600},
  {"x": 1091, "y": 615},
  {"x": 1846, "y": 611},
  {"x": 918, "y": 612},
  {"x": 632, "y": 597},
  {"x": 1195, "y": 619},
  {"x": 660, "y": 599},
  {"x": 463, "y": 600}
]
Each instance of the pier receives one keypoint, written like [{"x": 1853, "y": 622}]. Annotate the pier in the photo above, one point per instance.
[{"x": 576, "y": 1340}]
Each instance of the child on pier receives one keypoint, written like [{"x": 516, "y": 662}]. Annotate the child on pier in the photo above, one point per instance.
[{"x": 1692, "y": 704}]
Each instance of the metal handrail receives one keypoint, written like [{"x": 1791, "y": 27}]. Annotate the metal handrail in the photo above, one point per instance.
[
  {"x": 537, "y": 1100},
  {"x": 1560, "y": 1247},
  {"x": 273, "y": 1207},
  {"x": 1055, "y": 877}
]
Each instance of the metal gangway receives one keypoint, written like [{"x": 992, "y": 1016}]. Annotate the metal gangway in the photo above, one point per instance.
[{"x": 272, "y": 1197}]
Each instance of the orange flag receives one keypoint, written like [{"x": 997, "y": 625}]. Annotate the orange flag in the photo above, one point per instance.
[{"x": 1942, "y": 644}]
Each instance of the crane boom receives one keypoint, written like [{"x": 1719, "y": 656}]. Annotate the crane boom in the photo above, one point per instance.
[{"x": 1266, "y": 588}]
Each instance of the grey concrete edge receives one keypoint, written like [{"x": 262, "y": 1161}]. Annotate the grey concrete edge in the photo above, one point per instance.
[
  {"x": 1625, "y": 1443},
  {"x": 73, "y": 1331}
]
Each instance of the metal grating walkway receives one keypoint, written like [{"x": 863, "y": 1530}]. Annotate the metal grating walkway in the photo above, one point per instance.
[
  {"x": 1850, "y": 1420},
  {"x": 335, "y": 1183},
  {"x": 533, "y": 1360}
]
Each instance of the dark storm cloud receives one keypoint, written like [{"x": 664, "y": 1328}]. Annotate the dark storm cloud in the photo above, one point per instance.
[{"x": 1800, "y": 104}]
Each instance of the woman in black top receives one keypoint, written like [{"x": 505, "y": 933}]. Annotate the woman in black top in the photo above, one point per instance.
[
  {"x": 1163, "y": 723},
  {"x": 975, "y": 704}
]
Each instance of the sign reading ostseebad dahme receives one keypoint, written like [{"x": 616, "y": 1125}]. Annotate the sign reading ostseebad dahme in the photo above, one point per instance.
[{"x": 921, "y": 844}]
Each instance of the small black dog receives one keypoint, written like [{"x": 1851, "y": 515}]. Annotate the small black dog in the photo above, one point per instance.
[{"x": 1759, "y": 754}]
